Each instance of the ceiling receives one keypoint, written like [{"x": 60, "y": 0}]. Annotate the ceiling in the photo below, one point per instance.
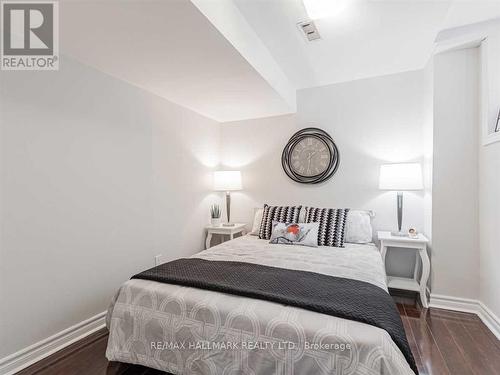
[
  {"x": 239, "y": 59},
  {"x": 369, "y": 38},
  {"x": 168, "y": 48}
]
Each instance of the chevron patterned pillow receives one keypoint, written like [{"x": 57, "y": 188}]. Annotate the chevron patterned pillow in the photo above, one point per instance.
[
  {"x": 281, "y": 214},
  {"x": 331, "y": 224}
]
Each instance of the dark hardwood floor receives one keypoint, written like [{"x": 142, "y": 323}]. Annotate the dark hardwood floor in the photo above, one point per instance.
[{"x": 443, "y": 343}]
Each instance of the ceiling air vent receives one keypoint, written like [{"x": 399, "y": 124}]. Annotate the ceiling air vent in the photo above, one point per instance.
[{"x": 309, "y": 29}]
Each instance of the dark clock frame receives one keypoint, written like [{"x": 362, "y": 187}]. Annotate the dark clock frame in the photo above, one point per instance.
[{"x": 322, "y": 136}]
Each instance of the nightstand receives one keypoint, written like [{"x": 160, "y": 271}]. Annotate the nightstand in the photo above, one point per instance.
[
  {"x": 227, "y": 231},
  {"x": 403, "y": 244}
]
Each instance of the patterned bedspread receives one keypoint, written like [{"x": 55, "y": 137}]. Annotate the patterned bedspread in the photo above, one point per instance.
[{"x": 186, "y": 330}]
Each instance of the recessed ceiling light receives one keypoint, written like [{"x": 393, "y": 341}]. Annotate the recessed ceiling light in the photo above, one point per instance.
[{"x": 317, "y": 9}]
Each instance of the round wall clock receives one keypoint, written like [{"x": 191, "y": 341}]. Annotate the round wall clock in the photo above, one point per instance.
[{"x": 310, "y": 156}]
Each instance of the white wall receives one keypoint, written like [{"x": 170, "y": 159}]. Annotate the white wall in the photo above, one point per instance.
[
  {"x": 372, "y": 121},
  {"x": 428, "y": 144},
  {"x": 489, "y": 178},
  {"x": 489, "y": 221},
  {"x": 455, "y": 198},
  {"x": 96, "y": 178},
  {"x": 428, "y": 153}
]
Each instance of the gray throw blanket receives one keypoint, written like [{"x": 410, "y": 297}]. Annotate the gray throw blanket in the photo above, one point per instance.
[{"x": 336, "y": 296}]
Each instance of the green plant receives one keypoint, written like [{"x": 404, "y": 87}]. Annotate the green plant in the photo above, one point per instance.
[{"x": 215, "y": 211}]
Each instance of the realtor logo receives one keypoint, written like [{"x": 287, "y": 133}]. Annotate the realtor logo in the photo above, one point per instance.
[{"x": 30, "y": 39}]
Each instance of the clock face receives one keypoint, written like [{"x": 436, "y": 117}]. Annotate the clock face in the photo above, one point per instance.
[{"x": 310, "y": 157}]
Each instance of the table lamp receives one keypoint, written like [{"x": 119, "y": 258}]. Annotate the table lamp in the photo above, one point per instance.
[
  {"x": 227, "y": 181},
  {"x": 400, "y": 177}
]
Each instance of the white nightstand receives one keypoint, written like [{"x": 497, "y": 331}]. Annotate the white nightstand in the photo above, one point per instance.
[
  {"x": 404, "y": 243},
  {"x": 220, "y": 229}
]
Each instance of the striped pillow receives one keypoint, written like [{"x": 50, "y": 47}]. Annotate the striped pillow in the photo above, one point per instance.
[
  {"x": 281, "y": 214},
  {"x": 331, "y": 224}
]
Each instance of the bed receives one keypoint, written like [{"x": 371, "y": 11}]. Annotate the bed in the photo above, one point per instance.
[{"x": 187, "y": 330}]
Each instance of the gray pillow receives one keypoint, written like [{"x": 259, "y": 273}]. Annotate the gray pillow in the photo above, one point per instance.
[{"x": 303, "y": 234}]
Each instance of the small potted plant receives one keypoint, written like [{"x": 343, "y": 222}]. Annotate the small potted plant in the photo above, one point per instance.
[{"x": 215, "y": 215}]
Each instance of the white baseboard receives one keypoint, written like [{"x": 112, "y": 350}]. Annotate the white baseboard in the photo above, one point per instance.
[
  {"x": 470, "y": 306},
  {"x": 34, "y": 353}
]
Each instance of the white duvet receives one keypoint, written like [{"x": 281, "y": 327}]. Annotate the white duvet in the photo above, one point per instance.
[{"x": 185, "y": 330}]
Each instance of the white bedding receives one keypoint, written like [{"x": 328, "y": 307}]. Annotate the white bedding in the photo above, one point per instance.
[
  {"x": 361, "y": 262},
  {"x": 192, "y": 331}
]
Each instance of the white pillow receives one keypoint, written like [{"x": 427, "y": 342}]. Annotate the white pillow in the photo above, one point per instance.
[
  {"x": 257, "y": 219},
  {"x": 358, "y": 228}
]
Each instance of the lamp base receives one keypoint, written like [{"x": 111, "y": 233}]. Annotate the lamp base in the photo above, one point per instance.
[
  {"x": 228, "y": 225},
  {"x": 399, "y": 234}
]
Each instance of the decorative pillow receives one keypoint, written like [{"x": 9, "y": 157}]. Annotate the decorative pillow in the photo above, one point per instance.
[
  {"x": 281, "y": 214},
  {"x": 331, "y": 224},
  {"x": 302, "y": 216},
  {"x": 304, "y": 234},
  {"x": 358, "y": 227},
  {"x": 257, "y": 219}
]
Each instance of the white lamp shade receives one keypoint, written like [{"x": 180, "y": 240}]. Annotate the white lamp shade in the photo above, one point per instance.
[
  {"x": 227, "y": 180},
  {"x": 404, "y": 176}
]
